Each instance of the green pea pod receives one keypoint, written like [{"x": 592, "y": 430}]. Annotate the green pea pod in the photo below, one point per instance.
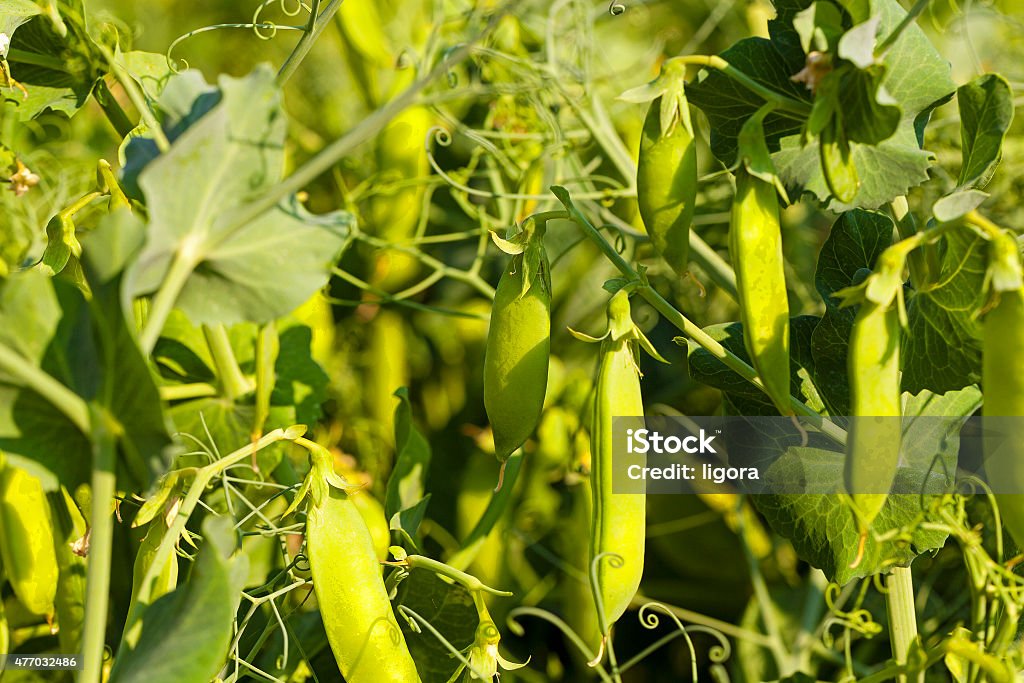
[
  {"x": 361, "y": 628},
  {"x": 167, "y": 579},
  {"x": 69, "y": 535},
  {"x": 517, "y": 355},
  {"x": 755, "y": 244},
  {"x": 618, "y": 519},
  {"x": 1002, "y": 378},
  {"x": 666, "y": 185},
  {"x": 873, "y": 446},
  {"x": 26, "y": 540}
]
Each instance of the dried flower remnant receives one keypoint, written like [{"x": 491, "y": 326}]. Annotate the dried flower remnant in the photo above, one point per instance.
[
  {"x": 817, "y": 66},
  {"x": 23, "y": 180}
]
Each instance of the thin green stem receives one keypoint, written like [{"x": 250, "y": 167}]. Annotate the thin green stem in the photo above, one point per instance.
[
  {"x": 104, "y": 488},
  {"x": 687, "y": 327},
  {"x": 28, "y": 375},
  {"x": 163, "y": 303},
  {"x": 138, "y": 100},
  {"x": 317, "y": 23},
  {"x": 781, "y": 102},
  {"x": 112, "y": 109},
  {"x": 899, "y": 602},
  {"x": 184, "y": 392},
  {"x": 467, "y": 581},
  {"x": 906, "y": 225},
  {"x": 233, "y": 382},
  {"x": 915, "y": 11},
  {"x": 19, "y": 56}
]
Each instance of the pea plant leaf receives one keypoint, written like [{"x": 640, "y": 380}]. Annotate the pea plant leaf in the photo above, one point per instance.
[
  {"x": 186, "y": 632},
  {"x": 405, "y": 503},
  {"x": 448, "y": 608},
  {"x": 728, "y": 105},
  {"x": 88, "y": 347},
  {"x": 222, "y": 160},
  {"x": 915, "y": 78},
  {"x": 882, "y": 102},
  {"x": 14, "y": 13},
  {"x": 821, "y": 526},
  {"x": 942, "y": 349},
  {"x": 856, "y": 240},
  {"x": 986, "y": 112},
  {"x": 59, "y": 72}
]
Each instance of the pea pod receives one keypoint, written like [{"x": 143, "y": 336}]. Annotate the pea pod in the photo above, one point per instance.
[
  {"x": 666, "y": 184},
  {"x": 618, "y": 525},
  {"x": 361, "y": 628},
  {"x": 873, "y": 446},
  {"x": 755, "y": 244},
  {"x": 26, "y": 540},
  {"x": 1002, "y": 379},
  {"x": 518, "y": 349}
]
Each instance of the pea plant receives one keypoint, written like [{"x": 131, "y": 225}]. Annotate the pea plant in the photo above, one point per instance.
[{"x": 318, "y": 319}]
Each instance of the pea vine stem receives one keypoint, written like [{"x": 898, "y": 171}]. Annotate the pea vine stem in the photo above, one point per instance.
[
  {"x": 685, "y": 325},
  {"x": 781, "y": 102},
  {"x": 899, "y": 602},
  {"x": 317, "y": 22},
  {"x": 101, "y": 540},
  {"x": 28, "y": 374},
  {"x": 233, "y": 382}
]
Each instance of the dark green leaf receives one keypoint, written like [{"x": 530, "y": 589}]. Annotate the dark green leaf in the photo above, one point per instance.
[
  {"x": 406, "y": 485},
  {"x": 822, "y": 528},
  {"x": 244, "y": 130},
  {"x": 986, "y": 111},
  {"x": 857, "y": 239},
  {"x": 449, "y": 608},
  {"x": 728, "y": 105},
  {"x": 942, "y": 350}
]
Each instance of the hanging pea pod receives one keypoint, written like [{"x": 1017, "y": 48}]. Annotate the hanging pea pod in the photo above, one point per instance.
[
  {"x": 26, "y": 540},
  {"x": 618, "y": 530},
  {"x": 873, "y": 365},
  {"x": 872, "y": 453},
  {"x": 518, "y": 343},
  {"x": 363, "y": 633},
  {"x": 755, "y": 244},
  {"x": 666, "y": 179},
  {"x": 1002, "y": 379}
]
